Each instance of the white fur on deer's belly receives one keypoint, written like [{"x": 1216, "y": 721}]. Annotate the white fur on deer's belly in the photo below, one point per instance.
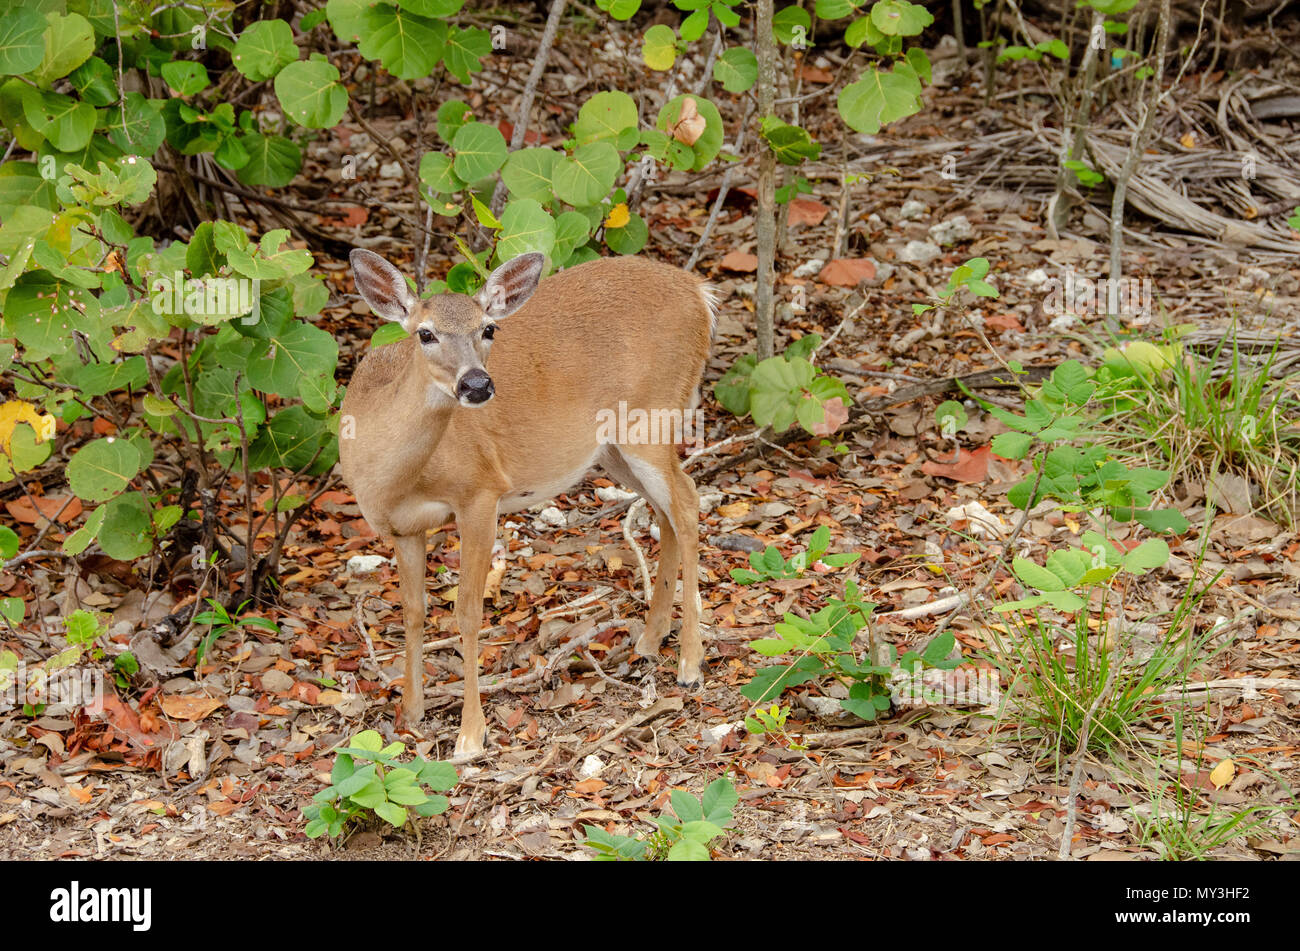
[{"x": 526, "y": 496}]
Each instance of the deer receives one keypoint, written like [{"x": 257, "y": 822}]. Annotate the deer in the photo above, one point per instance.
[{"x": 491, "y": 404}]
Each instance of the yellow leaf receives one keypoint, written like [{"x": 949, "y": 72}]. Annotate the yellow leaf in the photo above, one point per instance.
[
  {"x": 1222, "y": 774},
  {"x": 1188, "y": 140},
  {"x": 618, "y": 216},
  {"x": 16, "y": 411},
  {"x": 734, "y": 510}
]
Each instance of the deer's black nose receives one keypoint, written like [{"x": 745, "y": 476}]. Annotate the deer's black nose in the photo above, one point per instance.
[{"x": 475, "y": 387}]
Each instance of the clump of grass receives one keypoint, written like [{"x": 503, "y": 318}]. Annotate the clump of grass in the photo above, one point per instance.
[
  {"x": 1198, "y": 415},
  {"x": 1187, "y": 823},
  {"x": 1056, "y": 670}
]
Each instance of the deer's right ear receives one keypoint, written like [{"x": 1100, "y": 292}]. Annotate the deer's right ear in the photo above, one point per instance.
[{"x": 382, "y": 285}]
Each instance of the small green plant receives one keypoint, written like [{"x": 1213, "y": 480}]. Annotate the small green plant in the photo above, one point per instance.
[
  {"x": 771, "y": 565},
  {"x": 1182, "y": 823},
  {"x": 681, "y": 836},
  {"x": 1294, "y": 220},
  {"x": 823, "y": 645},
  {"x": 1200, "y": 415},
  {"x": 771, "y": 722},
  {"x": 383, "y": 786},
  {"x": 783, "y": 390},
  {"x": 222, "y": 624},
  {"x": 1085, "y": 173}
]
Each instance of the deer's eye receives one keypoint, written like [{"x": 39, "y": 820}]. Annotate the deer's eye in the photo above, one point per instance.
[
  {"x": 426, "y": 336},
  {"x": 489, "y": 331}
]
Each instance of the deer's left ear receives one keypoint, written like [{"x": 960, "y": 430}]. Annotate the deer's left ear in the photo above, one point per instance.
[{"x": 509, "y": 286}]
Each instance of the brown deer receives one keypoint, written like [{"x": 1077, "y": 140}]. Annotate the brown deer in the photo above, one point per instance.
[{"x": 426, "y": 432}]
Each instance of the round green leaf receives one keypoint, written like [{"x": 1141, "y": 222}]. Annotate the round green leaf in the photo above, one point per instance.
[
  {"x": 480, "y": 151},
  {"x": 436, "y": 173},
  {"x": 311, "y": 94},
  {"x": 273, "y": 160},
  {"x": 66, "y": 122},
  {"x": 186, "y": 77},
  {"x": 95, "y": 82},
  {"x": 264, "y": 49},
  {"x": 588, "y": 176},
  {"x": 22, "y": 45},
  {"x": 525, "y": 226},
  {"x": 571, "y": 230},
  {"x": 136, "y": 126},
  {"x": 736, "y": 69},
  {"x": 68, "y": 41},
  {"x": 879, "y": 98},
  {"x": 628, "y": 239},
  {"x": 709, "y": 144},
  {"x": 791, "y": 23},
  {"x": 660, "y": 47},
  {"x": 607, "y": 115},
  {"x": 103, "y": 468},
  {"x": 127, "y": 531},
  {"x": 409, "y": 46},
  {"x": 527, "y": 173}
]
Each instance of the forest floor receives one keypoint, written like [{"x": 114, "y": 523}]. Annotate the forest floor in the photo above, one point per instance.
[{"x": 221, "y": 764}]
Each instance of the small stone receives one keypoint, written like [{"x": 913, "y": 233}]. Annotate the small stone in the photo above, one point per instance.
[
  {"x": 552, "y": 516},
  {"x": 592, "y": 765},
  {"x": 1036, "y": 277},
  {"x": 365, "y": 564},
  {"x": 912, "y": 209},
  {"x": 918, "y": 252},
  {"x": 951, "y": 231},
  {"x": 810, "y": 268},
  {"x": 390, "y": 170},
  {"x": 610, "y": 493}
]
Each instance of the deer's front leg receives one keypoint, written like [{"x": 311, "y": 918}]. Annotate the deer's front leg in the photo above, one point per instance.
[
  {"x": 411, "y": 552},
  {"x": 477, "y": 532}
]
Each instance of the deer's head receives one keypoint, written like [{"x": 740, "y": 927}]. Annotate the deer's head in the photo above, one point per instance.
[{"x": 452, "y": 331}]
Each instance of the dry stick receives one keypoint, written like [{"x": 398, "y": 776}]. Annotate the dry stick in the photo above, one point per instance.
[
  {"x": 636, "y": 506},
  {"x": 723, "y": 188},
  {"x": 1085, "y": 733},
  {"x": 1057, "y": 209},
  {"x": 765, "y": 216},
  {"x": 530, "y": 92}
]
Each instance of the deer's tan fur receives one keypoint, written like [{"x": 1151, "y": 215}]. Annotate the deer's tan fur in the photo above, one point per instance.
[{"x": 613, "y": 330}]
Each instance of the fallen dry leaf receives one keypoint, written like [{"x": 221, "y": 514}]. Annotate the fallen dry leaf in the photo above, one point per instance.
[
  {"x": 964, "y": 465},
  {"x": 847, "y": 272},
  {"x": 690, "y": 125},
  {"x": 805, "y": 211},
  {"x": 180, "y": 707},
  {"x": 740, "y": 261}
]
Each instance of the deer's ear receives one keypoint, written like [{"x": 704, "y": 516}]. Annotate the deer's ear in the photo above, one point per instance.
[
  {"x": 382, "y": 285},
  {"x": 509, "y": 286}
]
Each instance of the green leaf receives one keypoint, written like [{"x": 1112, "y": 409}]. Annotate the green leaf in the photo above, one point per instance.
[
  {"x": 186, "y": 77},
  {"x": 22, "y": 46},
  {"x": 127, "y": 532},
  {"x": 66, "y": 122},
  {"x": 103, "y": 468},
  {"x": 1012, "y": 445},
  {"x": 368, "y": 740},
  {"x": 709, "y": 144},
  {"x": 408, "y": 45},
  {"x": 439, "y": 776},
  {"x": 277, "y": 364},
  {"x": 527, "y": 173},
  {"x": 686, "y": 806},
  {"x": 273, "y": 160},
  {"x": 879, "y": 98},
  {"x": 8, "y": 542},
  {"x": 264, "y": 49},
  {"x": 452, "y": 114},
  {"x": 659, "y": 49},
  {"x": 525, "y": 226},
  {"x": 572, "y": 229},
  {"x": 68, "y": 41},
  {"x": 792, "y": 23},
  {"x": 1036, "y": 575},
  {"x": 1152, "y": 553},
  {"x": 480, "y": 150},
  {"x": 720, "y": 798},
  {"x": 736, "y": 69},
  {"x": 289, "y": 440},
  {"x": 588, "y": 176},
  {"x": 391, "y": 813},
  {"x": 137, "y": 126},
  {"x": 900, "y": 18},
  {"x": 310, "y": 93},
  {"x": 630, "y": 238},
  {"x": 688, "y": 850},
  {"x": 607, "y": 116},
  {"x": 465, "y": 51}
]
